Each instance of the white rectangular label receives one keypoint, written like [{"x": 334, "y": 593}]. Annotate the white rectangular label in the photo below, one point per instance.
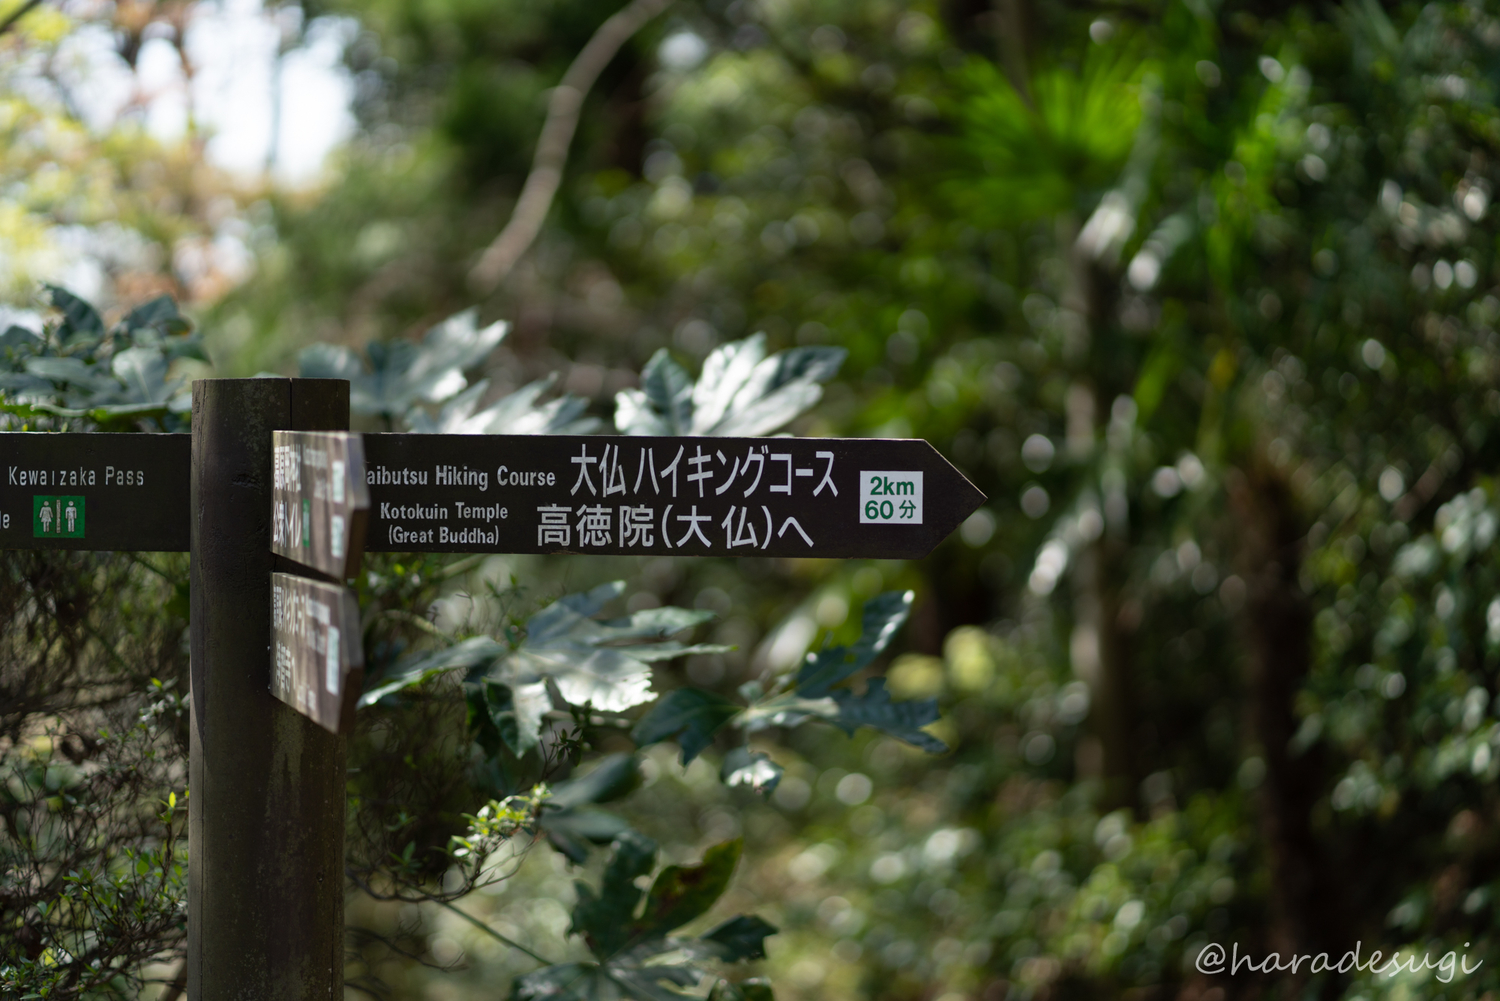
[
  {"x": 890, "y": 497},
  {"x": 332, "y": 681}
]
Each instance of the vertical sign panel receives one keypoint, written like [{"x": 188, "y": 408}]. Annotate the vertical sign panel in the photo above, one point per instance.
[
  {"x": 319, "y": 500},
  {"x": 316, "y": 652}
]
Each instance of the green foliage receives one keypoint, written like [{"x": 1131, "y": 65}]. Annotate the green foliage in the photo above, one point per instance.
[
  {"x": 628, "y": 930},
  {"x": 1046, "y": 152},
  {"x": 692, "y": 716},
  {"x": 74, "y": 370},
  {"x": 740, "y": 393},
  {"x": 604, "y": 664}
]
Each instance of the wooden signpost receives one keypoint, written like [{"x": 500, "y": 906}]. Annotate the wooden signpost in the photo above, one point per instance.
[{"x": 277, "y": 506}]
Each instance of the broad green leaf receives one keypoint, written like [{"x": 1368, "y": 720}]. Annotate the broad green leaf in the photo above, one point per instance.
[
  {"x": 899, "y": 719},
  {"x": 754, "y": 989},
  {"x": 73, "y": 370},
  {"x": 19, "y": 338},
  {"x": 468, "y": 655},
  {"x": 518, "y": 413},
  {"x": 743, "y": 766},
  {"x": 517, "y": 712},
  {"x": 401, "y": 374},
  {"x": 740, "y": 392},
  {"x": 143, "y": 371},
  {"x": 159, "y": 314},
  {"x": 79, "y": 318},
  {"x": 569, "y": 821},
  {"x": 328, "y": 361},
  {"x": 571, "y": 829},
  {"x": 681, "y": 893},
  {"x": 604, "y": 663},
  {"x": 611, "y": 982},
  {"x": 883, "y": 616},
  {"x": 739, "y": 938},
  {"x": 664, "y": 403},
  {"x": 564, "y": 982},
  {"x": 606, "y": 920},
  {"x": 613, "y": 776},
  {"x": 690, "y": 715}
]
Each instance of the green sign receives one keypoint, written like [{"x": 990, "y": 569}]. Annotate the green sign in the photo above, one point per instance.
[{"x": 56, "y": 517}]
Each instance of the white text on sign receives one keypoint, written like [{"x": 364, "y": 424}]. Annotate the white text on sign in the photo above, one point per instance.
[{"x": 889, "y": 497}]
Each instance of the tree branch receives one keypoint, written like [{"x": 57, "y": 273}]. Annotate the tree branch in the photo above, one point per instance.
[
  {"x": 22, "y": 11},
  {"x": 563, "y": 110}
]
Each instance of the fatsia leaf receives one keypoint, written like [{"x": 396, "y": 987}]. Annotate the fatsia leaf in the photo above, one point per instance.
[
  {"x": 610, "y": 679},
  {"x": 739, "y": 938},
  {"x": 606, "y": 920},
  {"x": 143, "y": 372},
  {"x": 401, "y": 373},
  {"x": 754, "y": 989},
  {"x": 636, "y": 959},
  {"x": 755, "y": 769},
  {"x": 613, "y": 776},
  {"x": 73, "y": 371},
  {"x": 681, "y": 893},
  {"x": 612, "y": 981},
  {"x": 79, "y": 319},
  {"x": 740, "y": 391},
  {"x": 471, "y": 654},
  {"x": 690, "y": 715},
  {"x": 159, "y": 314},
  {"x": 329, "y": 361},
  {"x": 19, "y": 339},
  {"x": 565, "y": 982},
  {"x": 570, "y": 830},
  {"x": 518, "y": 413},
  {"x": 567, "y": 818},
  {"x": 517, "y": 712},
  {"x": 605, "y": 663},
  {"x": 883, "y": 616},
  {"x": 874, "y": 708}
]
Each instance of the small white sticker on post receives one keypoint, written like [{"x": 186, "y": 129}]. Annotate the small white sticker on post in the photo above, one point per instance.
[
  {"x": 332, "y": 680},
  {"x": 888, "y": 497}
]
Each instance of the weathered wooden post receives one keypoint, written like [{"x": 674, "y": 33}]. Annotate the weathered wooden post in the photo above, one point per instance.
[{"x": 266, "y": 812}]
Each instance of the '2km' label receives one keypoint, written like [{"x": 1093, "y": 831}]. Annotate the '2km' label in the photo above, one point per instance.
[{"x": 890, "y": 498}]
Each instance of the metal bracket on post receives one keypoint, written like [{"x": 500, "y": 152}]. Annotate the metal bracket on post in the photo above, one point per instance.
[{"x": 266, "y": 814}]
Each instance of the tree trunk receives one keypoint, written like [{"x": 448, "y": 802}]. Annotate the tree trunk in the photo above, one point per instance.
[{"x": 1276, "y": 622}]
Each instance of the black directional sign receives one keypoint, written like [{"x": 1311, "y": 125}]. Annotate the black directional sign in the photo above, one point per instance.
[
  {"x": 826, "y": 497},
  {"x": 319, "y": 499},
  {"x": 94, "y": 491},
  {"x": 316, "y": 653}
]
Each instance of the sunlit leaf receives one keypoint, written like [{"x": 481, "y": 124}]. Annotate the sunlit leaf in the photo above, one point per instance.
[
  {"x": 517, "y": 413},
  {"x": 883, "y": 616},
  {"x": 755, "y": 769},
  {"x": 740, "y": 392},
  {"x": 401, "y": 374}
]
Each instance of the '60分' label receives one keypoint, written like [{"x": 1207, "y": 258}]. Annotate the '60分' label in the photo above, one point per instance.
[{"x": 889, "y": 497}]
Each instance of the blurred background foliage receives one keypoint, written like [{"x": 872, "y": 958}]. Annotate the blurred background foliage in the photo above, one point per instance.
[{"x": 1203, "y": 295}]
